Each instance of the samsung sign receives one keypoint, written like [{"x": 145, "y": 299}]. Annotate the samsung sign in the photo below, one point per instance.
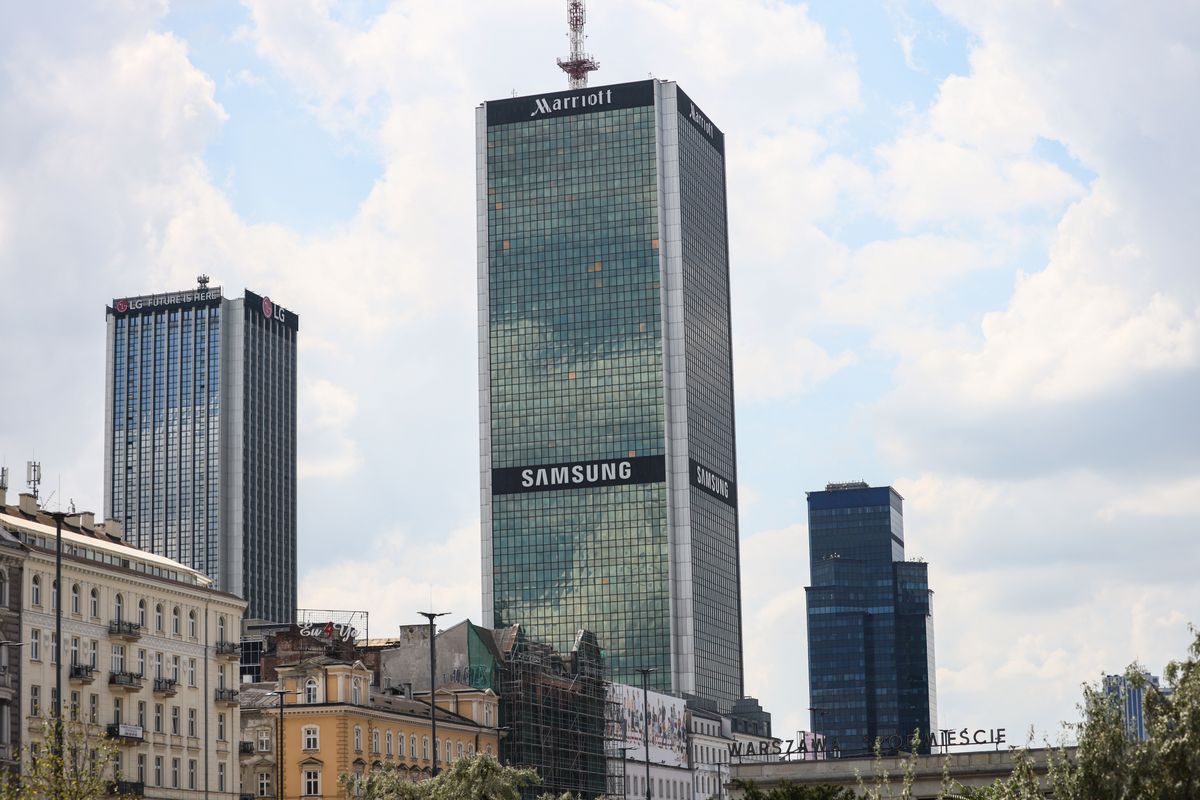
[
  {"x": 714, "y": 485},
  {"x": 565, "y": 104},
  {"x": 579, "y": 475}
]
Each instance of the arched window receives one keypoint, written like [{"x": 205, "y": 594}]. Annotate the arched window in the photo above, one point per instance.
[
  {"x": 119, "y": 607},
  {"x": 459, "y": 750},
  {"x": 355, "y": 692},
  {"x": 310, "y": 691},
  {"x": 412, "y": 746},
  {"x": 158, "y": 618},
  {"x": 375, "y": 741},
  {"x": 387, "y": 741},
  {"x": 75, "y": 598},
  {"x": 175, "y": 621},
  {"x": 221, "y": 629},
  {"x": 487, "y": 714},
  {"x": 358, "y": 738},
  {"x": 4, "y": 588},
  {"x": 192, "y": 624},
  {"x": 425, "y": 747},
  {"x": 94, "y": 608},
  {"x": 53, "y": 595},
  {"x": 35, "y": 591},
  {"x": 142, "y": 613}
]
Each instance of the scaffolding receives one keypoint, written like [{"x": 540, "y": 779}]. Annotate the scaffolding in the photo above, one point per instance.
[{"x": 554, "y": 708}]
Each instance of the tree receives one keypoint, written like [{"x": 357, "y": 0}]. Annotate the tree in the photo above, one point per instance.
[
  {"x": 793, "y": 791},
  {"x": 478, "y": 777},
  {"x": 83, "y": 771}
]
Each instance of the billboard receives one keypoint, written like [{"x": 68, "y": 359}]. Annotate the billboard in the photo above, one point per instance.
[{"x": 627, "y": 720}]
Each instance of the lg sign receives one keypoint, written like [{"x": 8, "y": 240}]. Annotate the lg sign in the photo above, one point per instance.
[{"x": 272, "y": 311}]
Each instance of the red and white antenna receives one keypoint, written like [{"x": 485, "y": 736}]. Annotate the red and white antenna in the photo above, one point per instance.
[{"x": 580, "y": 63}]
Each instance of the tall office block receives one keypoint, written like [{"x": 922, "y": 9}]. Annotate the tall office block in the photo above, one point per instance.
[
  {"x": 200, "y": 438},
  {"x": 1130, "y": 698},
  {"x": 870, "y": 623},
  {"x": 608, "y": 470}
]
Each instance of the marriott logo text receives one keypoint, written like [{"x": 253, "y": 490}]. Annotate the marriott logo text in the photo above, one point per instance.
[
  {"x": 701, "y": 120},
  {"x": 600, "y": 98}
]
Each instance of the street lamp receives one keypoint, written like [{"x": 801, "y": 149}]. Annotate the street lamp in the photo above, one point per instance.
[
  {"x": 279, "y": 740},
  {"x": 431, "y": 616},
  {"x": 645, "y": 671}
]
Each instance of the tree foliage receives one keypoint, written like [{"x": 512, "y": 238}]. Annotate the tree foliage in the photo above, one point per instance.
[
  {"x": 793, "y": 791},
  {"x": 479, "y": 777},
  {"x": 83, "y": 771}
]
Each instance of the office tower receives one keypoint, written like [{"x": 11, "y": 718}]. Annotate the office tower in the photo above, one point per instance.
[
  {"x": 608, "y": 471},
  {"x": 1131, "y": 700},
  {"x": 870, "y": 623},
  {"x": 200, "y": 438}
]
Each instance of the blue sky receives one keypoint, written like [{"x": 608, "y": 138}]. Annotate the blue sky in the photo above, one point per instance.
[{"x": 962, "y": 263}]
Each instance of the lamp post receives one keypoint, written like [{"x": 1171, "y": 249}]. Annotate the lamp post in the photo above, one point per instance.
[
  {"x": 645, "y": 671},
  {"x": 279, "y": 740},
  {"x": 431, "y": 616}
]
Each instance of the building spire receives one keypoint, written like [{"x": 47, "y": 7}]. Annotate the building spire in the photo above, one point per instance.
[{"x": 580, "y": 63}]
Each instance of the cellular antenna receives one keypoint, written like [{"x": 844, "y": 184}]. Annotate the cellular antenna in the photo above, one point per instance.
[{"x": 580, "y": 63}]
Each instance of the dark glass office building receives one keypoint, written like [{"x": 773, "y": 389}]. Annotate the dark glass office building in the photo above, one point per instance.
[
  {"x": 200, "y": 438},
  {"x": 870, "y": 623},
  {"x": 609, "y": 478}
]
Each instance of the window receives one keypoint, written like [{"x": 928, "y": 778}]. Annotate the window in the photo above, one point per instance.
[
  {"x": 175, "y": 668},
  {"x": 221, "y": 676},
  {"x": 175, "y": 720},
  {"x": 158, "y": 717},
  {"x": 192, "y": 624},
  {"x": 375, "y": 741},
  {"x": 388, "y": 742},
  {"x": 191, "y": 722},
  {"x": 158, "y": 619},
  {"x": 118, "y": 711},
  {"x": 35, "y": 644},
  {"x": 312, "y": 782},
  {"x": 118, "y": 658},
  {"x": 175, "y": 621},
  {"x": 158, "y": 665},
  {"x": 221, "y": 629},
  {"x": 35, "y": 701},
  {"x": 191, "y": 672},
  {"x": 75, "y": 598},
  {"x": 141, "y": 768},
  {"x": 357, "y": 739},
  {"x": 310, "y": 691},
  {"x": 119, "y": 607},
  {"x": 35, "y": 591},
  {"x": 487, "y": 715},
  {"x": 175, "y": 773},
  {"x": 94, "y": 653},
  {"x": 74, "y": 649},
  {"x": 221, "y": 727},
  {"x": 355, "y": 692},
  {"x": 158, "y": 770},
  {"x": 425, "y": 748},
  {"x": 142, "y": 613},
  {"x": 412, "y": 746},
  {"x": 93, "y": 708},
  {"x": 312, "y": 738},
  {"x": 141, "y": 661},
  {"x": 264, "y": 784},
  {"x": 220, "y": 777},
  {"x": 94, "y": 604},
  {"x": 53, "y": 595},
  {"x": 191, "y": 773},
  {"x": 73, "y": 711},
  {"x": 54, "y": 648},
  {"x": 459, "y": 750},
  {"x": 264, "y": 741},
  {"x": 142, "y": 714}
]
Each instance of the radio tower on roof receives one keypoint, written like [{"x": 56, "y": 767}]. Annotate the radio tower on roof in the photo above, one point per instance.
[{"x": 580, "y": 63}]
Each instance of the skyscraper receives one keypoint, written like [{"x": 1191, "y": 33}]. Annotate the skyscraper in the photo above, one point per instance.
[
  {"x": 870, "y": 623},
  {"x": 608, "y": 470},
  {"x": 200, "y": 438}
]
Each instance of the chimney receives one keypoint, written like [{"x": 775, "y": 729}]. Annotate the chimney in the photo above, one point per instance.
[
  {"x": 111, "y": 527},
  {"x": 28, "y": 503},
  {"x": 408, "y": 690},
  {"x": 84, "y": 520}
]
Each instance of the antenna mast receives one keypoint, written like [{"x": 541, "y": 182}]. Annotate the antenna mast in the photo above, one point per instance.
[{"x": 580, "y": 63}]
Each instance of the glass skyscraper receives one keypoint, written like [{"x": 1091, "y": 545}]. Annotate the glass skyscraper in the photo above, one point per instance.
[
  {"x": 870, "y": 623},
  {"x": 608, "y": 470},
  {"x": 200, "y": 438}
]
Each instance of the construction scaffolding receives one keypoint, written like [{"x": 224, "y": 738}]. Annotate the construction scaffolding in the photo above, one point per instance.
[{"x": 554, "y": 709}]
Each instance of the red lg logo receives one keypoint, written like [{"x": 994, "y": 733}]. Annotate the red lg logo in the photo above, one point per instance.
[
  {"x": 268, "y": 307},
  {"x": 122, "y": 306}
]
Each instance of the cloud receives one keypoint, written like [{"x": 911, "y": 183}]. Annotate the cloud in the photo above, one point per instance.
[{"x": 326, "y": 450}]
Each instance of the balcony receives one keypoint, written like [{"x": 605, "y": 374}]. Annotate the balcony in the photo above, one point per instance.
[
  {"x": 246, "y": 748},
  {"x": 124, "y": 629},
  {"x": 246, "y": 797},
  {"x": 228, "y": 650},
  {"x": 166, "y": 686},
  {"x": 82, "y": 673},
  {"x": 130, "y": 681},
  {"x": 125, "y": 733},
  {"x": 226, "y": 696},
  {"x": 127, "y": 788}
]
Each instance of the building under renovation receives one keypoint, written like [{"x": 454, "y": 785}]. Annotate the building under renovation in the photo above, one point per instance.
[{"x": 552, "y": 705}]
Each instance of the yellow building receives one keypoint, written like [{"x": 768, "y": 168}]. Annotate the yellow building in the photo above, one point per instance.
[{"x": 335, "y": 722}]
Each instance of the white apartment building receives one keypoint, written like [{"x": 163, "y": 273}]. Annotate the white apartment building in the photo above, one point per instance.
[{"x": 149, "y": 654}]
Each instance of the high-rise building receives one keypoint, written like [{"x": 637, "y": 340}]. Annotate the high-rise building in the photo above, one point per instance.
[
  {"x": 1130, "y": 697},
  {"x": 200, "y": 438},
  {"x": 870, "y": 623},
  {"x": 608, "y": 470}
]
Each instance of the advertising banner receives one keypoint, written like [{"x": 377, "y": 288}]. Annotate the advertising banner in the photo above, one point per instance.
[{"x": 627, "y": 720}]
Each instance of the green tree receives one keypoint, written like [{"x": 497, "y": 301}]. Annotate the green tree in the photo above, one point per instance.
[
  {"x": 83, "y": 771},
  {"x": 479, "y": 777},
  {"x": 794, "y": 791}
]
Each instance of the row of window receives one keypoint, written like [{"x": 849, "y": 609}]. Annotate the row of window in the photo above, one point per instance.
[
  {"x": 35, "y": 600},
  {"x": 75, "y": 710}
]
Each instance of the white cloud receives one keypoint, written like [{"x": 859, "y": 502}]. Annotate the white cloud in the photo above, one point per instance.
[
  {"x": 785, "y": 368},
  {"x": 326, "y": 448}
]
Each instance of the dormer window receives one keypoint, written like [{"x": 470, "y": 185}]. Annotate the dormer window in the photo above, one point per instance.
[{"x": 310, "y": 691}]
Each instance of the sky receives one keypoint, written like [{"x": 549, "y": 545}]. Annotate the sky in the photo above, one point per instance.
[{"x": 963, "y": 263}]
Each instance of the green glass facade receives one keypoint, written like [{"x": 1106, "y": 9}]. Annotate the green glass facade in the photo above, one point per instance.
[{"x": 575, "y": 380}]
